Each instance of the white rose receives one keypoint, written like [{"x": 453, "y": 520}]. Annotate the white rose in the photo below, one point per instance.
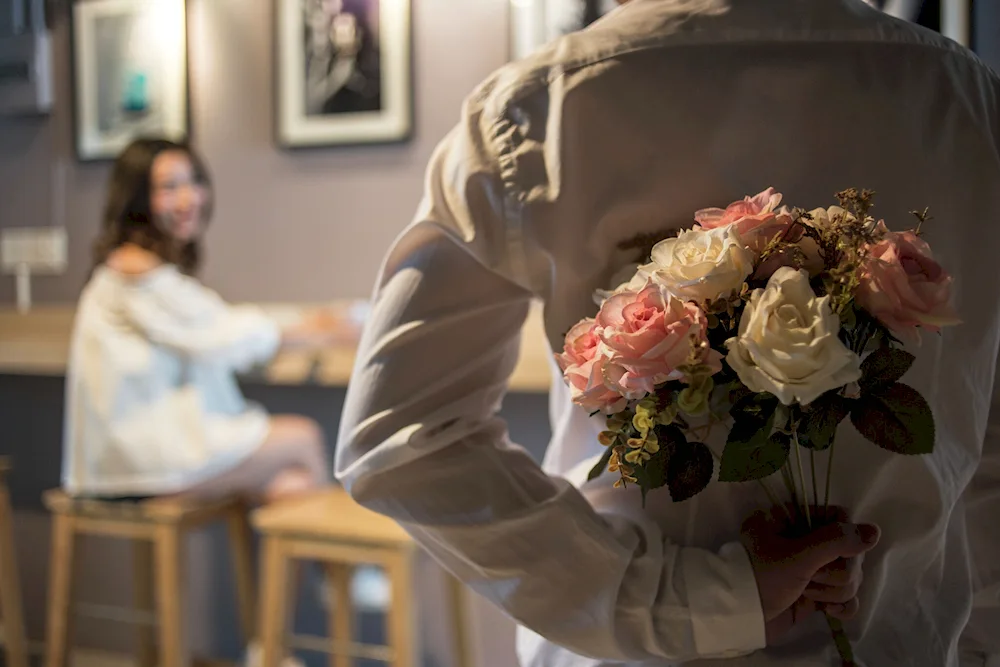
[
  {"x": 788, "y": 342},
  {"x": 701, "y": 264}
]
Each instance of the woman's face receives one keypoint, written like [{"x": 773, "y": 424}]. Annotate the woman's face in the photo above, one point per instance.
[{"x": 176, "y": 196}]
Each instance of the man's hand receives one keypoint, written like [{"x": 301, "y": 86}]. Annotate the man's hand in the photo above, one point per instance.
[{"x": 797, "y": 576}]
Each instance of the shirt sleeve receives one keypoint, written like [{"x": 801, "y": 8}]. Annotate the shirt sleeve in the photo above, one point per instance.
[
  {"x": 180, "y": 313},
  {"x": 982, "y": 503},
  {"x": 421, "y": 442}
]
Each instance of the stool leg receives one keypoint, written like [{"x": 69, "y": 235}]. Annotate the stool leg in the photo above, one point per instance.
[
  {"x": 275, "y": 601},
  {"x": 10, "y": 588},
  {"x": 462, "y": 647},
  {"x": 60, "y": 615},
  {"x": 241, "y": 547},
  {"x": 170, "y": 596},
  {"x": 341, "y": 615},
  {"x": 402, "y": 637},
  {"x": 142, "y": 570}
]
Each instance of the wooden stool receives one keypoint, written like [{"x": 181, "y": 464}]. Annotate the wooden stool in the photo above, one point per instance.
[
  {"x": 157, "y": 528},
  {"x": 12, "y": 612},
  {"x": 329, "y": 527}
]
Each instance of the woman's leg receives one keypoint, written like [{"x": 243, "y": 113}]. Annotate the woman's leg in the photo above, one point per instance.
[{"x": 292, "y": 460}]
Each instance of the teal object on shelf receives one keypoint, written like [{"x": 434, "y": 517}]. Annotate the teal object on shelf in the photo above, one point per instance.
[{"x": 135, "y": 98}]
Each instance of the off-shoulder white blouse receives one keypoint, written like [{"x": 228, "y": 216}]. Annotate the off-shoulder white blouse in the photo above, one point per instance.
[{"x": 152, "y": 402}]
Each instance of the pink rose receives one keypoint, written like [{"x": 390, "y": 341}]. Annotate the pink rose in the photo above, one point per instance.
[
  {"x": 905, "y": 288},
  {"x": 647, "y": 335},
  {"x": 757, "y": 219},
  {"x": 583, "y": 368}
]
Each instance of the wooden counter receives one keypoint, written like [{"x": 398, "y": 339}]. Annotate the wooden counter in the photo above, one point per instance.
[{"x": 37, "y": 343}]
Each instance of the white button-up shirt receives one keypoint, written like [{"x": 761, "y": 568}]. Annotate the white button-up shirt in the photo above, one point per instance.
[{"x": 662, "y": 108}]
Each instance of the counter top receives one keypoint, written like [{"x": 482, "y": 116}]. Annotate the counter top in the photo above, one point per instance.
[{"x": 37, "y": 343}]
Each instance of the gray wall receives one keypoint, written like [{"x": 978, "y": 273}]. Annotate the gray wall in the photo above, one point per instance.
[{"x": 317, "y": 221}]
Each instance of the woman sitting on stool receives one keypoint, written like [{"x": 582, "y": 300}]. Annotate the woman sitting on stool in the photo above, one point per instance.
[{"x": 153, "y": 406}]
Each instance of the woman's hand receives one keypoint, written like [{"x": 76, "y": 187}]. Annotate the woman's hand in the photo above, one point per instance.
[{"x": 319, "y": 328}]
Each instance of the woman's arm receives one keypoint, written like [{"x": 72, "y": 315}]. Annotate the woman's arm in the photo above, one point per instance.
[{"x": 178, "y": 312}]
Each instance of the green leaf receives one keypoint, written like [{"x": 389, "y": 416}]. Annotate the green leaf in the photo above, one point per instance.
[
  {"x": 652, "y": 475},
  {"x": 689, "y": 470},
  {"x": 819, "y": 423},
  {"x": 884, "y": 367},
  {"x": 747, "y": 462},
  {"x": 754, "y": 409},
  {"x": 897, "y": 419},
  {"x": 602, "y": 465}
]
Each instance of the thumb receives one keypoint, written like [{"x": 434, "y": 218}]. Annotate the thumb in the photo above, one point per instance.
[{"x": 833, "y": 541}]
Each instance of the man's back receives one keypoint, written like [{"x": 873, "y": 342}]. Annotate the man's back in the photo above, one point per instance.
[{"x": 663, "y": 108}]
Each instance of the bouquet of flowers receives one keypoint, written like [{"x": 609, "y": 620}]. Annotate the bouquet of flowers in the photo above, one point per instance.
[{"x": 774, "y": 323}]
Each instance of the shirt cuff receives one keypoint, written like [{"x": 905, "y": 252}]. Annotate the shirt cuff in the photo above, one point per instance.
[{"x": 727, "y": 617}]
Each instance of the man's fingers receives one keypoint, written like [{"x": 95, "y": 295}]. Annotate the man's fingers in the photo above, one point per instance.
[
  {"x": 833, "y": 513},
  {"x": 840, "y": 572},
  {"x": 832, "y": 594},
  {"x": 833, "y": 541},
  {"x": 843, "y": 612},
  {"x": 777, "y": 628}
]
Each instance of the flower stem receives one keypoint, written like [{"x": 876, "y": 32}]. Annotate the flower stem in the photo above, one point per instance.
[
  {"x": 802, "y": 477},
  {"x": 812, "y": 464},
  {"x": 841, "y": 641},
  {"x": 829, "y": 474},
  {"x": 767, "y": 490},
  {"x": 786, "y": 475}
]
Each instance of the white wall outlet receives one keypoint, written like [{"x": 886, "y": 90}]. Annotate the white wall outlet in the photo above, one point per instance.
[{"x": 42, "y": 250}]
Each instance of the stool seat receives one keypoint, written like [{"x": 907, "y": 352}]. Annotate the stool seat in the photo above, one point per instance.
[
  {"x": 169, "y": 509},
  {"x": 157, "y": 528},
  {"x": 331, "y": 515},
  {"x": 330, "y": 528}
]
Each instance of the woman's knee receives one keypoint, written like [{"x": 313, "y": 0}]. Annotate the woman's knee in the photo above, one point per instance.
[
  {"x": 289, "y": 483},
  {"x": 301, "y": 438}
]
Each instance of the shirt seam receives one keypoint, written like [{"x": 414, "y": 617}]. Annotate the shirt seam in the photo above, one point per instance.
[{"x": 545, "y": 75}]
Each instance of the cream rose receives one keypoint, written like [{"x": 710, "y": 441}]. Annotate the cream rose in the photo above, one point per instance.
[
  {"x": 788, "y": 343},
  {"x": 701, "y": 264}
]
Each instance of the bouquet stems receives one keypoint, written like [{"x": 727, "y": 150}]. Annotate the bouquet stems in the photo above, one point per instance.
[{"x": 805, "y": 524}]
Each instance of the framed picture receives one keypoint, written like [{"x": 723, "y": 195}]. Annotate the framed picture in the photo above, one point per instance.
[
  {"x": 130, "y": 73},
  {"x": 952, "y": 18},
  {"x": 343, "y": 72},
  {"x": 534, "y": 23}
]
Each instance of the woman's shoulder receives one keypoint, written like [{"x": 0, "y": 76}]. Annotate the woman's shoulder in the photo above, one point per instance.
[{"x": 131, "y": 261}]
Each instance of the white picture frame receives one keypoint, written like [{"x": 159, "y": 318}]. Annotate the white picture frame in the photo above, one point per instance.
[
  {"x": 535, "y": 23},
  {"x": 329, "y": 94},
  {"x": 130, "y": 74},
  {"x": 956, "y": 16}
]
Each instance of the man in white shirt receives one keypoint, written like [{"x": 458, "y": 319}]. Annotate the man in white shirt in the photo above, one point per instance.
[{"x": 662, "y": 108}]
